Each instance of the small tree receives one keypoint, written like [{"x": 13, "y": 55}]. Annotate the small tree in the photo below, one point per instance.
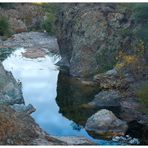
[
  {"x": 51, "y": 13},
  {"x": 48, "y": 24}
]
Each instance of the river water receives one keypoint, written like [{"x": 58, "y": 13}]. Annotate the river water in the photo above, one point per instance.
[{"x": 56, "y": 97}]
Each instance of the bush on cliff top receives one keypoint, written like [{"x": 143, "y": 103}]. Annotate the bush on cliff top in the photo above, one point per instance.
[{"x": 51, "y": 15}]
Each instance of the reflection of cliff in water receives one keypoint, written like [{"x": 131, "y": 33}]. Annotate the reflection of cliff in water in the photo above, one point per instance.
[
  {"x": 5, "y": 52},
  {"x": 71, "y": 94}
]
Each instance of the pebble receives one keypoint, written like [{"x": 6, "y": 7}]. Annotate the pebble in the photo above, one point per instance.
[{"x": 126, "y": 140}]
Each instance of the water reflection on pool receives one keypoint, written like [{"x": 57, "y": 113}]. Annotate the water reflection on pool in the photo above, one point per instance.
[{"x": 39, "y": 86}]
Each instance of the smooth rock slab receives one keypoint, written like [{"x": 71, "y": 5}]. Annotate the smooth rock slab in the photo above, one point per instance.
[
  {"x": 74, "y": 140},
  {"x": 34, "y": 53},
  {"x": 105, "y": 123},
  {"x": 32, "y": 40}
]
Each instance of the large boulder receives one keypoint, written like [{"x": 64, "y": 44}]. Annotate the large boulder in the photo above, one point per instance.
[
  {"x": 105, "y": 123},
  {"x": 19, "y": 128}
]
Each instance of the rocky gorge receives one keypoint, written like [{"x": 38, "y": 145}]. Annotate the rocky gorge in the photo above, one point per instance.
[
  {"x": 97, "y": 43},
  {"x": 14, "y": 114},
  {"x": 101, "y": 57}
]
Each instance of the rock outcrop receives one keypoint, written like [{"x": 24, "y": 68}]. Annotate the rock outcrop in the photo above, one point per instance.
[
  {"x": 33, "y": 40},
  {"x": 19, "y": 128},
  {"x": 105, "y": 123},
  {"x": 90, "y": 36},
  {"x": 10, "y": 90}
]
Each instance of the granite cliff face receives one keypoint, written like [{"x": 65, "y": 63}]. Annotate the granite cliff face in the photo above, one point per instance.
[{"x": 90, "y": 36}]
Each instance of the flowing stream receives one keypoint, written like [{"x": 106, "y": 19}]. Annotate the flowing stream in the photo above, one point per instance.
[{"x": 39, "y": 79}]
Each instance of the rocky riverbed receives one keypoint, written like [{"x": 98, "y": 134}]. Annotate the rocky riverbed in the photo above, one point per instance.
[
  {"x": 15, "y": 118},
  {"x": 113, "y": 95},
  {"x": 31, "y": 40},
  {"x": 99, "y": 48}
]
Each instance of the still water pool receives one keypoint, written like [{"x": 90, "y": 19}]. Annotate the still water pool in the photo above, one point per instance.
[{"x": 39, "y": 78}]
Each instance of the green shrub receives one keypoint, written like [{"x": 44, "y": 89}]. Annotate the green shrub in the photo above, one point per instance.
[
  {"x": 143, "y": 94},
  {"x": 51, "y": 13},
  {"x": 106, "y": 59},
  {"x": 126, "y": 32},
  {"x": 4, "y": 26},
  {"x": 48, "y": 24}
]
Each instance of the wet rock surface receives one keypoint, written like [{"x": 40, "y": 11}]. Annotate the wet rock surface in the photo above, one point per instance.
[{"x": 104, "y": 122}]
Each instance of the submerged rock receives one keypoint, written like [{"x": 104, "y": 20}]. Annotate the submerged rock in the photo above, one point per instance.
[
  {"x": 110, "y": 98},
  {"x": 105, "y": 123},
  {"x": 35, "y": 53}
]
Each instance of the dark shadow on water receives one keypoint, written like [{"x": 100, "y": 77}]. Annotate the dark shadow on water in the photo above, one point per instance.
[
  {"x": 138, "y": 130},
  {"x": 5, "y": 52},
  {"x": 71, "y": 95}
]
